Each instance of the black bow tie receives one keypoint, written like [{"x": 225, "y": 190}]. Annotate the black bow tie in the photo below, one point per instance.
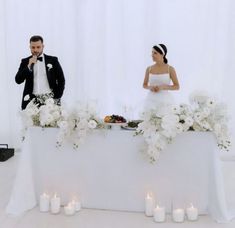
[{"x": 39, "y": 58}]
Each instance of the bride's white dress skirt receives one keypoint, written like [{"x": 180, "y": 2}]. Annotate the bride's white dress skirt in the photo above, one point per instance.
[{"x": 157, "y": 100}]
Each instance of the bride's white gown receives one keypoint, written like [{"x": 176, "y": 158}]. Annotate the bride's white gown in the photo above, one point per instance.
[{"x": 154, "y": 100}]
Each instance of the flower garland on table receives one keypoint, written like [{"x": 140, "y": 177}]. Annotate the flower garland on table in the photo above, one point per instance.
[
  {"x": 158, "y": 127},
  {"x": 76, "y": 124},
  {"x": 73, "y": 125},
  {"x": 210, "y": 115},
  {"x": 161, "y": 125}
]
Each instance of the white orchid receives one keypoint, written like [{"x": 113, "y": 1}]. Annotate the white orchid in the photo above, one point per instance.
[{"x": 160, "y": 126}]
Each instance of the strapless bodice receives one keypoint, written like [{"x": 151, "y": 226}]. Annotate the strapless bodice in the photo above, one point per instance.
[{"x": 159, "y": 79}]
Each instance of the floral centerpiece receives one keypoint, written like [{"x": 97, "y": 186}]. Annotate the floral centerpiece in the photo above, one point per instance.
[
  {"x": 77, "y": 123},
  {"x": 73, "y": 125},
  {"x": 161, "y": 125}
]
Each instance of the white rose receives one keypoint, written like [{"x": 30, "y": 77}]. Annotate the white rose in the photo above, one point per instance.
[
  {"x": 179, "y": 128},
  {"x": 170, "y": 118},
  {"x": 46, "y": 119},
  {"x": 49, "y": 107},
  {"x": 198, "y": 116},
  {"x": 189, "y": 121},
  {"x": 175, "y": 109},
  {"x": 49, "y": 65},
  {"x": 205, "y": 125},
  {"x": 49, "y": 101},
  {"x": 56, "y": 115},
  {"x": 92, "y": 124},
  {"x": 26, "y": 97}
]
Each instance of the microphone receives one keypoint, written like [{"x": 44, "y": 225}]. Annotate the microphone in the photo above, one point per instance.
[{"x": 31, "y": 67}]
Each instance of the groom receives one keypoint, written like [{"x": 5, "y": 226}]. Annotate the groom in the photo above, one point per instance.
[{"x": 42, "y": 74}]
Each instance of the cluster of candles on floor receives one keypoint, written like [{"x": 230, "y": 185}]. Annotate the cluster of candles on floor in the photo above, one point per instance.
[
  {"x": 159, "y": 213},
  {"x": 53, "y": 205}
]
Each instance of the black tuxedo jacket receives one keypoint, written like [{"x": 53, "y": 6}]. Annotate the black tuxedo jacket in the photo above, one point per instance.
[{"x": 54, "y": 73}]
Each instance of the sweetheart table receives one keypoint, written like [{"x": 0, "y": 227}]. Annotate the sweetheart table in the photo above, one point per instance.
[{"x": 109, "y": 171}]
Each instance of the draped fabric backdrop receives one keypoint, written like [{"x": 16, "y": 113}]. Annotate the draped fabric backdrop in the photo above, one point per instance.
[{"x": 105, "y": 46}]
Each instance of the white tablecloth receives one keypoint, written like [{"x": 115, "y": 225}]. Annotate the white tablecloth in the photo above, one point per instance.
[{"x": 109, "y": 171}]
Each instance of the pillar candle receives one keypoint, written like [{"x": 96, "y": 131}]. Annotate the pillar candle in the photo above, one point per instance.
[
  {"x": 178, "y": 215},
  {"x": 44, "y": 203},
  {"x": 159, "y": 214},
  {"x": 55, "y": 204},
  {"x": 77, "y": 205},
  {"x": 192, "y": 213},
  {"x": 149, "y": 205},
  {"x": 69, "y": 209}
]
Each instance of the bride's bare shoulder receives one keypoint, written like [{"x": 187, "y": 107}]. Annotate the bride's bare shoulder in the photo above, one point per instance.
[{"x": 149, "y": 68}]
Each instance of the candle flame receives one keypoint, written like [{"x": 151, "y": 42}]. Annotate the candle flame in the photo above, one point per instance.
[{"x": 149, "y": 195}]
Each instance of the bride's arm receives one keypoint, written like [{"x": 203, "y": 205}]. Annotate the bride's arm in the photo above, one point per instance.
[
  {"x": 146, "y": 81},
  {"x": 174, "y": 80}
]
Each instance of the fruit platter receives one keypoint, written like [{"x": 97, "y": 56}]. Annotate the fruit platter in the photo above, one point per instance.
[{"x": 115, "y": 121}]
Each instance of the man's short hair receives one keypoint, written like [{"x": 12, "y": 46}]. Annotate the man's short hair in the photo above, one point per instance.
[{"x": 36, "y": 38}]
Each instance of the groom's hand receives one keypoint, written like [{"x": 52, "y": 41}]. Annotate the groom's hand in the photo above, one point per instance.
[{"x": 32, "y": 61}]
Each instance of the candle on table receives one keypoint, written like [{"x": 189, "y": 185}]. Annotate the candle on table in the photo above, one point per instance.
[
  {"x": 55, "y": 204},
  {"x": 69, "y": 209},
  {"x": 159, "y": 214},
  {"x": 178, "y": 215},
  {"x": 44, "y": 203},
  {"x": 192, "y": 213},
  {"x": 77, "y": 205},
  {"x": 149, "y": 205}
]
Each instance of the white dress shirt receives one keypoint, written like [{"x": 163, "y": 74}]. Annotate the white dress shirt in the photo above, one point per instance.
[{"x": 41, "y": 85}]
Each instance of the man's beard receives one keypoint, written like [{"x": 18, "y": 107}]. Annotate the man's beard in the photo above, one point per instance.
[{"x": 37, "y": 54}]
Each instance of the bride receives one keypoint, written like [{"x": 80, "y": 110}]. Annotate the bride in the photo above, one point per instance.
[{"x": 159, "y": 79}]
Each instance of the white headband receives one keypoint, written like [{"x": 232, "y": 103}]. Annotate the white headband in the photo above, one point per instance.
[{"x": 160, "y": 47}]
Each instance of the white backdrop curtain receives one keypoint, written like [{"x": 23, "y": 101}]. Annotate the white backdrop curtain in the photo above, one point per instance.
[{"x": 104, "y": 47}]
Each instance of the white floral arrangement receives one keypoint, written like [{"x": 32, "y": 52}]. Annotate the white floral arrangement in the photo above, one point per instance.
[
  {"x": 74, "y": 125},
  {"x": 160, "y": 126},
  {"x": 77, "y": 123},
  {"x": 210, "y": 115}
]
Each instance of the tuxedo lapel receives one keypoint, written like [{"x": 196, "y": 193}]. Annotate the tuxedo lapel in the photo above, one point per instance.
[
  {"x": 30, "y": 79},
  {"x": 46, "y": 64},
  {"x": 49, "y": 65}
]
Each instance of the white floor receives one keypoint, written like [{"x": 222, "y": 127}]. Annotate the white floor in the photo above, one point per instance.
[{"x": 88, "y": 218}]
